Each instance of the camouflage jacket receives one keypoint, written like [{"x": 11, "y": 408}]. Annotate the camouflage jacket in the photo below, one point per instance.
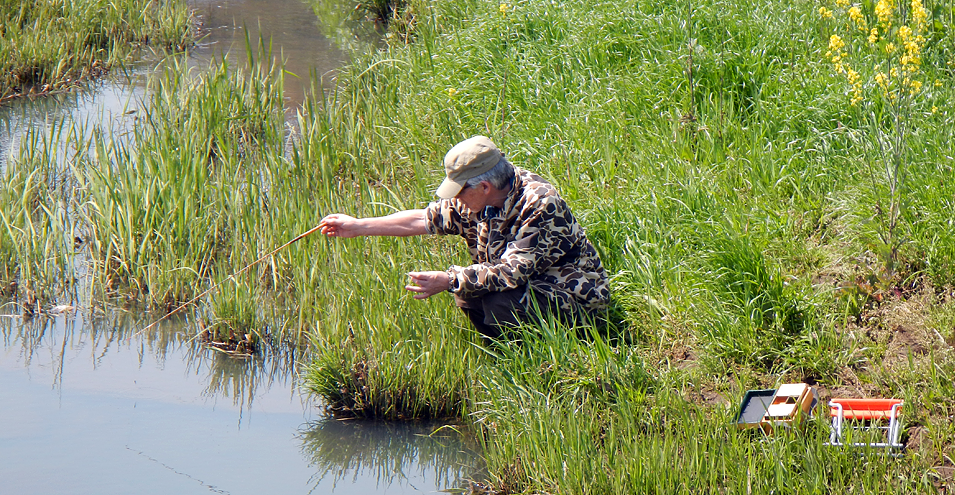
[{"x": 533, "y": 240}]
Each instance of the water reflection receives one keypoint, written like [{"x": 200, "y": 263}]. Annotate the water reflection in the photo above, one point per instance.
[
  {"x": 112, "y": 409},
  {"x": 51, "y": 342},
  {"x": 391, "y": 454},
  {"x": 290, "y": 26},
  {"x": 112, "y": 103}
]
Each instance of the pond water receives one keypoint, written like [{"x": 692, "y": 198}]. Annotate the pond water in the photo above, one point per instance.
[
  {"x": 90, "y": 405},
  {"x": 291, "y": 25}
]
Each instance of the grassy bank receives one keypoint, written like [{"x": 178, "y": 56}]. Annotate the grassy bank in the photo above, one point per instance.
[
  {"x": 767, "y": 219},
  {"x": 762, "y": 224},
  {"x": 48, "y": 46}
]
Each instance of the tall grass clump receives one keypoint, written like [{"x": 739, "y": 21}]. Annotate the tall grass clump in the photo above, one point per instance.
[
  {"x": 377, "y": 353},
  {"x": 39, "y": 235},
  {"x": 180, "y": 202},
  {"x": 53, "y": 45},
  {"x": 547, "y": 398},
  {"x": 761, "y": 315}
]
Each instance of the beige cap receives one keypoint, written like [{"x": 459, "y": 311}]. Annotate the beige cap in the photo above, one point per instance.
[{"x": 467, "y": 160}]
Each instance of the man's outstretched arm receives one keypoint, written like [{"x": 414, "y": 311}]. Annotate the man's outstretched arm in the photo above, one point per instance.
[{"x": 401, "y": 224}]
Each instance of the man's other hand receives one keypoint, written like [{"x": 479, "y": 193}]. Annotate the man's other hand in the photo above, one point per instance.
[{"x": 427, "y": 284}]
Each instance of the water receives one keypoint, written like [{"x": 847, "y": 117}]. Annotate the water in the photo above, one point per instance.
[
  {"x": 292, "y": 27},
  {"x": 112, "y": 103},
  {"x": 90, "y": 406}
]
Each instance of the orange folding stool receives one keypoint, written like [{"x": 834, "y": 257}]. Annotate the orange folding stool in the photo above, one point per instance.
[{"x": 866, "y": 415}]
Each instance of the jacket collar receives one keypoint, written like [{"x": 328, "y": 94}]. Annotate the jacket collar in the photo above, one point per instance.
[{"x": 517, "y": 188}]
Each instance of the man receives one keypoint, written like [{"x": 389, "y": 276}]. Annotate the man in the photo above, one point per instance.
[{"x": 529, "y": 254}]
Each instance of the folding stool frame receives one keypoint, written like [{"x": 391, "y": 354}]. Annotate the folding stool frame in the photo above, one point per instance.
[{"x": 872, "y": 411}]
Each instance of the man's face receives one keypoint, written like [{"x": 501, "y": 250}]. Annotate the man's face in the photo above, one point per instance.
[{"x": 475, "y": 198}]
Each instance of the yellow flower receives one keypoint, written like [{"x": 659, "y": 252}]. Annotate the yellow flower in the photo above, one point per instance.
[
  {"x": 452, "y": 92},
  {"x": 934, "y": 109},
  {"x": 855, "y": 13},
  {"x": 842, "y": 3},
  {"x": 919, "y": 15},
  {"x": 825, "y": 13},
  {"x": 503, "y": 8},
  {"x": 894, "y": 72},
  {"x": 853, "y": 76},
  {"x": 904, "y": 33},
  {"x": 938, "y": 83},
  {"x": 884, "y": 11},
  {"x": 890, "y": 48},
  {"x": 836, "y": 43},
  {"x": 873, "y": 36}
]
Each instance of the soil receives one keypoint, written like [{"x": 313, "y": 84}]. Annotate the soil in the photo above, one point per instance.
[
  {"x": 910, "y": 343},
  {"x": 895, "y": 341}
]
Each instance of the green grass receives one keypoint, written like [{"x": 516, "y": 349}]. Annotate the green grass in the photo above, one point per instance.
[
  {"x": 731, "y": 204},
  {"x": 52, "y": 45}
]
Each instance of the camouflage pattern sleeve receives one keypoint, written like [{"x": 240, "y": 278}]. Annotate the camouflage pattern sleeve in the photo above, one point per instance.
[{"x": 444, "y": 218}]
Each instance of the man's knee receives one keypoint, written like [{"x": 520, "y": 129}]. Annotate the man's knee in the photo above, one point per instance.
[
  {"x": 494, "y": 313},
  {"x": 504, "y": 307}
]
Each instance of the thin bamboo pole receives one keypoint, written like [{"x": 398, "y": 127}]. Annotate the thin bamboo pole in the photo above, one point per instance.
[{"x": 231, "y": 277}]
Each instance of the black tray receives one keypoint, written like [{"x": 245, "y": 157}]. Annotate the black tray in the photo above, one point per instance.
[{"x": 754, "y": 405}]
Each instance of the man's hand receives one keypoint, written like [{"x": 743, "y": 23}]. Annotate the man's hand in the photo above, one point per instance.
[
  {"x": 339, "y": 225},
  {"x": 427, "y": 284}
]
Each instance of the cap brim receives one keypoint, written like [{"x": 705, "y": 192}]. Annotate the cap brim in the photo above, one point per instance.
[{"x": 448, "y": 189}]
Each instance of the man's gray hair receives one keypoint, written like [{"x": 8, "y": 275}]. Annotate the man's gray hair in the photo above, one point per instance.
[{"x": 500, "y": 176}]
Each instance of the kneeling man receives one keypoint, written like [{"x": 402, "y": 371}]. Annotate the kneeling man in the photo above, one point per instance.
[{"x": 529, "y": 255}]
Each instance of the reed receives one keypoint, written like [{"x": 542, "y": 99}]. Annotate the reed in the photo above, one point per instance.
[
  {"x": 179, "y": 202},
  {"x": 38, "y": 244}
]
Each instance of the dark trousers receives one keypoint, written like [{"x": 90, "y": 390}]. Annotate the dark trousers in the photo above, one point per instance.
[{"x": 495, "y": 313}]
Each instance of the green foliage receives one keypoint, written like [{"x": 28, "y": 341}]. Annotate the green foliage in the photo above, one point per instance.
[
  {"x": 37, "y": 231},
  {"x": 165, "y": 212},
  {"x": 391, "y": 369},
  {"x": 48, "y": 45}
]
